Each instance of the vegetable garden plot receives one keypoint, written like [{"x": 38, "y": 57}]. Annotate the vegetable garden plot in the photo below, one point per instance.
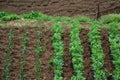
[{"x": 40, "y": 48}]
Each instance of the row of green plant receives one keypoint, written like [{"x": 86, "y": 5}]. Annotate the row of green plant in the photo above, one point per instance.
[
  {"x": 8, "y": 56},
  {"x": 6, "y": 16},
  {"x": 97, "y": 52},
  {"x": 57, "y": 60},
  {"x": 24, "y": 49},
  {"x": 76, "y": 51},
  {"x": 38, "y": 50},
  {"x": 114, "y": 38},
  {"x": 110, "y": 18}
]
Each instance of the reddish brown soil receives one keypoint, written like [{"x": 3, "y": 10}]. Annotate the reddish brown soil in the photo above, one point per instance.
[
  {"x": 30, "y": 55},
  {"x": 16, "y": 54},
  {"x": 3, "y": 50},
  {"x": 62, "y": 7},
  {"x": 88, "y": 72},
  {"x": 46, "y": 54},
  {"x": 108, "y": 65},
  {"x": 67, "y": 68}
]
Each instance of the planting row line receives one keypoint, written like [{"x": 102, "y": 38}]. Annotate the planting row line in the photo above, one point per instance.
[
  {"x": 9, "y": 51},
  {"x": 38, "y": 51},
  {"x": 97, "y": 53},
  {"x": 57, "y": 43},
  {"x": 24, "y": 48},
  {"x": 76, "y": 51}
]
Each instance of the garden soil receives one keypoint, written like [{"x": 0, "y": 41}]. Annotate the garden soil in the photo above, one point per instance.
[
  {"x": 3, "y": 50},
  {"x": 31, "y": 58},
  {"x": 16, "y": 54},
  {"x": 62, "y": 7},
  {"x": 68, "y": 70},
  {"x": 47, "y": 72},
  {"x": 108, "y": 66},
  {"x": 88, "y": 72}
]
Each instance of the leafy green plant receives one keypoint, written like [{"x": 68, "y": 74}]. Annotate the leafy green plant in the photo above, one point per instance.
[
  {"x": 84, "y": 19},
  {"x": 110, "y": 18},
  {"x": 9, "y": 51},
  {"x": 5, "y": 16},
  {"x": 24, "y": 48},
  {"x": 97, "y": 52},
  {"x": 36, "y": 15},
  {"x": 10, "y": 17},
  {"x": 76, "y": 51},
  {"x": 57, "y": 43},
  {"x": 3, "y": 13},
  {"x": 114, "y": 38},
  {"x": 39, "y": 53}
]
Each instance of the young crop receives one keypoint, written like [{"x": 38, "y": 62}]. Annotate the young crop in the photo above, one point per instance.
[
  {"x": 9, "y": 51},
  {"x": 24, "y": 48},
  {"x": 76, "y": 51},
  {"x": 38, "y": 54},
  {"x": 114, "y": 38},
  {"x": 97, "y": 52},
  {"x": 57, "y": 60}
]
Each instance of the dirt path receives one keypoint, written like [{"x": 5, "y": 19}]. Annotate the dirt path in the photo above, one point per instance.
[
  {"x": 67, "y": 68},
  {"x": 108, "y": 65},
  {"x": 88, "y": 72}
]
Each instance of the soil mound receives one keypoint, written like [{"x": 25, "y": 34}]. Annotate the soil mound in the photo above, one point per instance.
[{"x": 62, "y": 7}]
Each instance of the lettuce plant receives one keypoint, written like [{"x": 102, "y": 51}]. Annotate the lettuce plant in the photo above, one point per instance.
[
  {"x": 97, "y": 52},
  {"x": 76, "y": 51},
  {"x": 114, "y": 38},
  {"x": 57, "y": 43}
]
